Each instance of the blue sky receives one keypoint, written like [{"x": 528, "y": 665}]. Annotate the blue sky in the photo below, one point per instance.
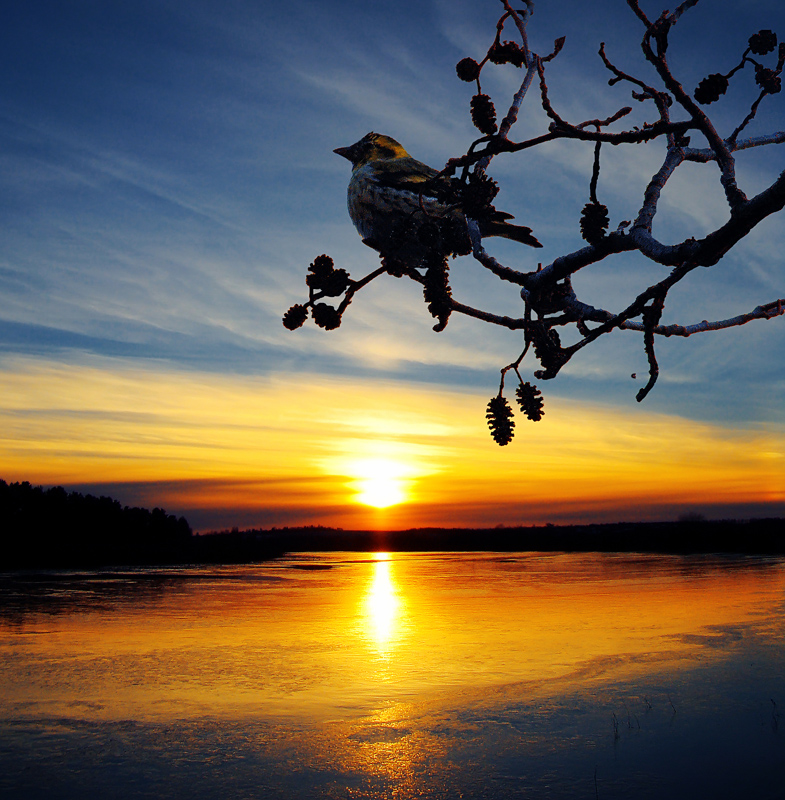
[{"x": 167, "y": 175}]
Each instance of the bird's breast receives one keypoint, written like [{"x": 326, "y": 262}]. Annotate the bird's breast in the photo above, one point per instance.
[{"x": 375, "y": 208}]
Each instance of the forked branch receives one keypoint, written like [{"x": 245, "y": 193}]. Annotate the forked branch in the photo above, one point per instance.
[{"x": 549, "y": 300}]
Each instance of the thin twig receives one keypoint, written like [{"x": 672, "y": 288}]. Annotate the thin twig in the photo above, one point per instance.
[
  {"x": 767, "y": 311},
  {"x": 651, "y": 316},
  {"x": 595, "y": 174}
]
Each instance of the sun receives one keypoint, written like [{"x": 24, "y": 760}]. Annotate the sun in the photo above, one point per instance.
[
  {"x": 380, "y": 492},
  {"x": 379, "y": 483}
]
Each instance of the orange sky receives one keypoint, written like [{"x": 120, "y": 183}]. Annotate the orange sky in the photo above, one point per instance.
[{"x": 231, "y": 450}]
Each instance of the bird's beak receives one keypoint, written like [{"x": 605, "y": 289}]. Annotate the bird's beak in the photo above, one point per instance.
[{"x": 346, "y": 152}]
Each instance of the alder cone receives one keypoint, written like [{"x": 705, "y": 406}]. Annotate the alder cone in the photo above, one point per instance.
[
  {"x": 500, "y": 421},
  {"x": 711, "y": 89},
  {"x": 468, "y": 70},
  {"x": 594, "y": 222},
  {"x": 295, "y": 317},
  {"x": 530, "y": 400},
  {"x": 483, "y": 114}
]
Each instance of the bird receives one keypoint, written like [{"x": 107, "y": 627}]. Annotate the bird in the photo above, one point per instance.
[{"x": 389, "y": 187}]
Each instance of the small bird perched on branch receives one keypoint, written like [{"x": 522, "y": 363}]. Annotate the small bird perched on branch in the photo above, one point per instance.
[{"x": 392, "y": 197}]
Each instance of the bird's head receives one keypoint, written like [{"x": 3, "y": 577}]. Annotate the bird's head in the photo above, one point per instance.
[{"x": 372, "y": 147}]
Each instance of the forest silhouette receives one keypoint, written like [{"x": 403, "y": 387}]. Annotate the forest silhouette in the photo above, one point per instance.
[{"x": 55, "y": 528}]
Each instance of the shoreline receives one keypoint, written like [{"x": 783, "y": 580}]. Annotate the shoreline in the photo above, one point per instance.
[{"x": 693, "y": 537}]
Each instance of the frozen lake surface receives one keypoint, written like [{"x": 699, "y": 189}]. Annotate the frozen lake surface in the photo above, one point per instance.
[{"x": 427, "y": 675}]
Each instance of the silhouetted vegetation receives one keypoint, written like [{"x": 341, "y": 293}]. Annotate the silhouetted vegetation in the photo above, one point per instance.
[
  {"x": 55, "y": 528},
  {"x": 681, "y": 537}
]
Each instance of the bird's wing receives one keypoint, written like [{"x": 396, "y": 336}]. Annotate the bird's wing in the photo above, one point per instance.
[{"x": 408, "y": 173}]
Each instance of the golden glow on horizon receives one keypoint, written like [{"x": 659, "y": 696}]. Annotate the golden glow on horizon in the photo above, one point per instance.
[{"x": 360, "y": 454}]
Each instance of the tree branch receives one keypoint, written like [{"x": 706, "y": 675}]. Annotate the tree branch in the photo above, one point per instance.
[
  {"x": 767, "y": 311},
  {"x": 550, "y": 302},
  {"x": 488, "y": 261},
  {"x": 659, "y": 31},
  {"x": 704, "y": 155}
]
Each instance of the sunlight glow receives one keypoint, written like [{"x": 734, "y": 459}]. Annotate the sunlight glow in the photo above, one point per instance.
[
  {"x": 380, "y": 482},
  {"x": 380, "y": 493},
  {"x": 365, "y": 455}
]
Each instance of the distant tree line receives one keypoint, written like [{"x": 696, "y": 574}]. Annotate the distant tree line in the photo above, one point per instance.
[
  {"x": 55, "y": 529},
  {"x": 42, "y": 528},
  {"x": 691, "y": 534}
]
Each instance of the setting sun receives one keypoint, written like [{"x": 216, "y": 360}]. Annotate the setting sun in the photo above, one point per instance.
[
  {"x": 380, "y": 492},
  {"x": 380, "y": 482}
]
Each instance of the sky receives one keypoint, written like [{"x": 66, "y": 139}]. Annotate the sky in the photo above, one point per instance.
[{"x": 166, "y": 177}]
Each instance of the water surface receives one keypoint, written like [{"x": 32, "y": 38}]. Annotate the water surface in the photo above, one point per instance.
[{"x": 404, "y": 675}]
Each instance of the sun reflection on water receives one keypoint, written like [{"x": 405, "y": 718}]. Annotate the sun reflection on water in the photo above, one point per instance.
[{"x": 382, "y": 605}]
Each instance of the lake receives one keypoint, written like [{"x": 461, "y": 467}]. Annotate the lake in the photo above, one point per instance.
[{"x": 401, "y": 675}]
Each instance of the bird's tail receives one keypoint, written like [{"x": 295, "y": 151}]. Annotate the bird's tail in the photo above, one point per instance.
[{"x": 518, "y": 233}]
